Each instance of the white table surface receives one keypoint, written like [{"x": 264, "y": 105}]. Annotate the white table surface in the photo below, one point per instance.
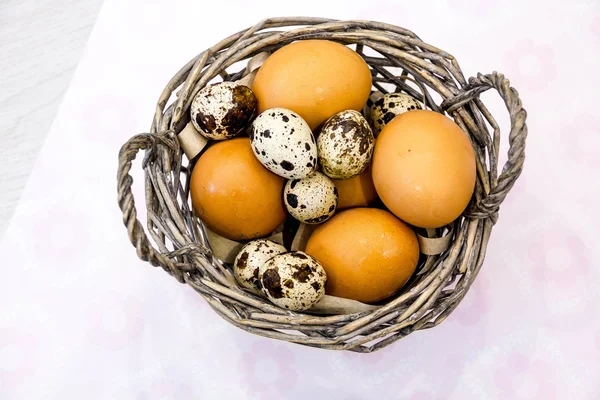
[
  {"x": 82, "y": 317},
  {"x": 40, "y": 45}
]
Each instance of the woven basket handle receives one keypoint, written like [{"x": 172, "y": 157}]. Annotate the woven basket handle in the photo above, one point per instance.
[
  {"x": 137, "y": 235},
  {"x": 489, "y": 205}
]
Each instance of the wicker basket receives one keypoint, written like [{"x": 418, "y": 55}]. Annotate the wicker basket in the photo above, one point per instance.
[{"x": 441, "y": 281}]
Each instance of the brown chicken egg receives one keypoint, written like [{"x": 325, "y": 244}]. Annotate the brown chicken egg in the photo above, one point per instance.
[
  {"x": 314, "y": 78},
  {"x": 368, "y": 253},
  {"x": 356, "y": 192},
  {"x": 424, "y": 168},
  {"x": 234, "y": 194}
]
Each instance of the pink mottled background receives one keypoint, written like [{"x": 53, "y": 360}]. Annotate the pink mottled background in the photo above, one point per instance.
[{"x": 83, "y": 318}]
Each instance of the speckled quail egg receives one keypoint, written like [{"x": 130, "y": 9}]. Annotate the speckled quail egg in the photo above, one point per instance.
[
  {"x": 293, "y": 280},
  {"x": 389, "y": 106},
  {"x": 223, "y": 110},
  {"x": 283, "y": 142},
  {"x": 375, "y": 95},
  {"x": 311, "y": 200},
  {"x": 345, "y": 145},
  {"x": 249, "y": 260}
]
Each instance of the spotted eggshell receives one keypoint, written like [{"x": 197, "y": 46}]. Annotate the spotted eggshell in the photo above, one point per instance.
[
  {"x": 311, "y": 200},
  {"x": 293, "y": 280},
  {"x": 345, "y": 145},
  {"x": 249, "y": 260},
  {"x": 375, "y": 95},
  {"x": 389, "y": 106},
  {"x": 223, "y": 110},
  {"x": 283, "y": 142}
]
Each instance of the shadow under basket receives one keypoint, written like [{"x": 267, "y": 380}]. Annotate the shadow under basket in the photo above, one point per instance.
[{"x": 399, "y": 61}]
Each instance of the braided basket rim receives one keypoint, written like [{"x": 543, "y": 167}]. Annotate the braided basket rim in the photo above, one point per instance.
[{"x": 182, "y": 248}]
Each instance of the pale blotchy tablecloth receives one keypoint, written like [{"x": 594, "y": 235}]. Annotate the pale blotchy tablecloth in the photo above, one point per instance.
[{"x": 82, "y": 317}]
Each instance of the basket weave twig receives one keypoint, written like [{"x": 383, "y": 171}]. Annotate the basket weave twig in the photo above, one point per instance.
[{"x": 393, "y": 55}]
